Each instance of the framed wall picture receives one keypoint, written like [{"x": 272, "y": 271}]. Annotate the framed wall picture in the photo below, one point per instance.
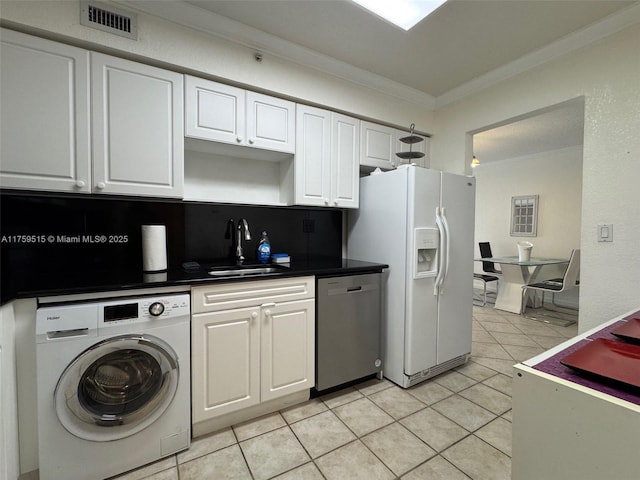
[{"x": 524, "y": 216}]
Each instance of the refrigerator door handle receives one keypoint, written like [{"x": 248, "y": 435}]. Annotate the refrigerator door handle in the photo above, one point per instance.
[
  {"x": 447, "y": 243},
  {"x": 441, "y": 257}
]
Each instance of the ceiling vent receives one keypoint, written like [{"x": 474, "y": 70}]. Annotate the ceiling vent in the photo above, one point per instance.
[{"x": 108, "y": 19}]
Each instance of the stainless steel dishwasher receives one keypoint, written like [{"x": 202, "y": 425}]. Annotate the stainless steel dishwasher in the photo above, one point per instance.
[{"x": 348, "y": 339}]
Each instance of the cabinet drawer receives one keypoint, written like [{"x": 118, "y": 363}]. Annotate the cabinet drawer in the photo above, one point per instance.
[{"x": 226, "y": 296}]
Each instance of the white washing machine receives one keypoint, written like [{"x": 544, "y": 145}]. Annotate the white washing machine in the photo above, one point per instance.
[{"x": 113, "y": 384}]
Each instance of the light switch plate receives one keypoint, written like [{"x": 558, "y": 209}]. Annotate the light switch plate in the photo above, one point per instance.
[{"x": 605, "y": 232}]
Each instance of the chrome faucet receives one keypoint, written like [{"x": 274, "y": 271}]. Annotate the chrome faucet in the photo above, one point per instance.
[{"x": 242, "y": 225}]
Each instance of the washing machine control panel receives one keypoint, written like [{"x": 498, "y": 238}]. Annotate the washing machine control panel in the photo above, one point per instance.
[
  {"x": 144, "y": 309},
  {"x": 82, "y": 319},
  {"x": 170, "y": 306}
]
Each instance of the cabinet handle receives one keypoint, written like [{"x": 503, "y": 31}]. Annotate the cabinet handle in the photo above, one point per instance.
[
  {"x": 80, "y": 183},
  {"x": 100, "y": 186},
  {"x": 252, "y": 141},
  {"x": 268, "y": 306},
  {"x": 326, "y": 201},
  {"x": 254, "y": 314},
  {"x": 239, "y": 139},
  {"x": 335, "y": 202}
]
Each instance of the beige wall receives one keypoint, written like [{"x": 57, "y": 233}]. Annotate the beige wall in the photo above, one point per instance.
[
  {"x": 556, "y": 177},
  {"x": 607, "y": 75}
]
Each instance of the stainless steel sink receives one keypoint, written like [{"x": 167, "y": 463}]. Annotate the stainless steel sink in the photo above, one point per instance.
[{"x": 242, "y": 271}]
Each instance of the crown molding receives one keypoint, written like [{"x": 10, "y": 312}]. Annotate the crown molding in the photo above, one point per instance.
[
  {"x": 610, "y": 25},
  {"x": 191, "y": 16},
  {"x": 208, "y": 22}
]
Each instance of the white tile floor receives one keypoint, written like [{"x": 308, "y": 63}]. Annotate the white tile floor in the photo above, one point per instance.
[{"x": 454, "y": 426}]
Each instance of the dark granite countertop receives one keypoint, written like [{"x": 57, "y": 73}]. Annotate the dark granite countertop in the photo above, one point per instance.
[{"x": 77, "y": 281}]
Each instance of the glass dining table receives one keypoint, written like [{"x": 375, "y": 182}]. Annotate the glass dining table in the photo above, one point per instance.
[{"x": 515, "y": 274}]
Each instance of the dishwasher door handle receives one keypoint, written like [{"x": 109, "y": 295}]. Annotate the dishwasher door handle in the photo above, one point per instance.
[{"x": 354, "y": 289}]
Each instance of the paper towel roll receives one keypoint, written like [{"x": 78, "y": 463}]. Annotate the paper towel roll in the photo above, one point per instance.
[
  {"x": 154, "y": 248},
  {"x": 154, "y": 277}
]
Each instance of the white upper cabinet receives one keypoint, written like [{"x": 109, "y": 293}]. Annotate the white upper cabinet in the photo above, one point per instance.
[
  {"x": 222, "y": 113},
  {"x": 214, "y": 111},
  {"x": 326, "y": 162},
  {"x": 44, "y": 127},
  {"x": 421, "y": 147},
  {"x": 118, "y": 130},
  {"x": 345, "y": 156},
  {"x": 138, "y": 143},
  {"x": 312, "y": 162},
  {"x": 271, "y": 123},
  {"x": 378, "y": 146}
]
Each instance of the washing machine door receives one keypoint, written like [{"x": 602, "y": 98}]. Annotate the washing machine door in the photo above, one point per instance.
[{"x": 117, "y": 387}]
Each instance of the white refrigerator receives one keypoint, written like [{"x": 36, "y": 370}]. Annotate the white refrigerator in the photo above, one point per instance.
[{"x": 421, "y": 223}]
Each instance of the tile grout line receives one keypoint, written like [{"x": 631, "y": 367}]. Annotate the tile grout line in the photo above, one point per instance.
[{"x": 480, "y": 315}]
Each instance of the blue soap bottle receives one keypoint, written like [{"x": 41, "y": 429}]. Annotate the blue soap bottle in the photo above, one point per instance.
[{"x": 264, "y": 248}]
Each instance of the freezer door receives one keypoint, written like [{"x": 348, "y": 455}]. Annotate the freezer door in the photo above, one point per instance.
[
  {"x": 456, "y": 293},
  {"x": 422, "y": 305}
]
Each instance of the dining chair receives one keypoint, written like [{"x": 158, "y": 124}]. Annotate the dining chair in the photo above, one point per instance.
[
  {"x": 485, "y": 252},
  {"x": 557, "y": 285},
  {"x": 485, "y": 279}
]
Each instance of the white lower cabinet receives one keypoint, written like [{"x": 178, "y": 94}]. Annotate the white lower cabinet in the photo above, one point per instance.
[
  {"x": 9, "y": 440},
  {"x": 287, "y": 345},
  {"x": 252, "y": 342},
  {"x": 225, "y": 352}
]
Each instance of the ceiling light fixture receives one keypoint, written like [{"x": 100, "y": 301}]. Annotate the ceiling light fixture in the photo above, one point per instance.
[
  {"x": 402, "y": 13},
  {"x": 475, "y": 162}
]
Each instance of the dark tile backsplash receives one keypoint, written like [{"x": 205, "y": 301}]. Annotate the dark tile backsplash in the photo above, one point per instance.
[
  {"x": 206, "y": 225},
  {"x": 66, "y": 233}
]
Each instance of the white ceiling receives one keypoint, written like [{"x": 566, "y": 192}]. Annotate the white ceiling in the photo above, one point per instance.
[
  {"x": 557, "y": 127},
  {"x": 458, "y": 49},
  {"x": 460, "y": 41}
]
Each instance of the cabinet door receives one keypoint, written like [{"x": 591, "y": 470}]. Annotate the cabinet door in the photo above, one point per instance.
[
  {"x": 9, "y": 455},
  {"x": 271, "y": 123},
  {"x": 214, "y": 111},
  {"x": 377, "y": 146},
  {"x": 313, "y": 156},
  {"x": 422, "y": 147},
  {"x": 44, "y": 122},
  {"x": 288, "y": 348},
  {"x": 225, "y": 362},
  {"x": 138, "y": 138},
  {"x": 345, "y": 161}
]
